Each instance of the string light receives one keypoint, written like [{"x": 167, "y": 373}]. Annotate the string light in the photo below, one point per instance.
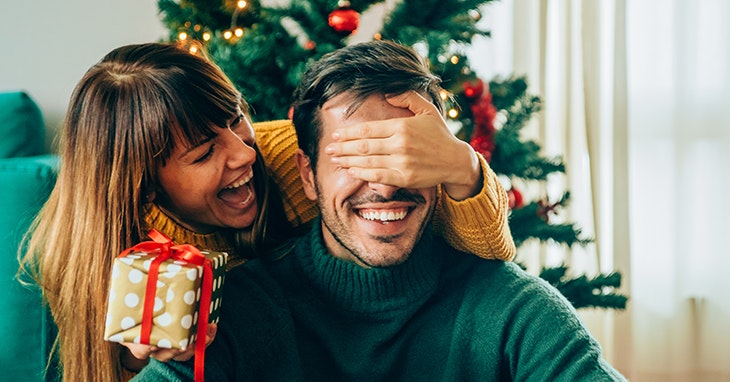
[
  {"x": 182, "y": 36},
  {"x": 454, "y": 59},
  {"x": 206, "y": 36},
  {"x": 238, "y": 32},
  {"x": 443, "y": 94},
  {"x": 227, "y": 34},
  {"x": 453, "y": 113}
]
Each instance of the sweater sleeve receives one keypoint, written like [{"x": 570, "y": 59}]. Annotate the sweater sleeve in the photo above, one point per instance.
[
  {"x": 479, "y": 224},
  {"x": 476, "y": 225},
  {"x": 277, "y": 142}
]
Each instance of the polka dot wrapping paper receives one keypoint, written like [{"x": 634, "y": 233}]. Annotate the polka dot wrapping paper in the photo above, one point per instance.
[{"x": 177, "y": 295}]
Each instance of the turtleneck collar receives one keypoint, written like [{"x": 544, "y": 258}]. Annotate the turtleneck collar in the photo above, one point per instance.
[
  {"x": 370, "y": 290},
  {"x": 157, "y": 219}
]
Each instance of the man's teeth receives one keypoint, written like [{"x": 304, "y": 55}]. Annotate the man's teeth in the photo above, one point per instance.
[
  {"x": 241, "y": 182},
  {"x": 383, "y": 216}
]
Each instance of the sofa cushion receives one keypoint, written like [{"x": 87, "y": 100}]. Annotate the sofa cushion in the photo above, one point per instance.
[
  {"x": 26, "y": 329},
  {"x": 22, "y": 132}
]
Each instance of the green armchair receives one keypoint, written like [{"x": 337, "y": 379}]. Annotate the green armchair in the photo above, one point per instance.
[{"x": 27, "y": 174}]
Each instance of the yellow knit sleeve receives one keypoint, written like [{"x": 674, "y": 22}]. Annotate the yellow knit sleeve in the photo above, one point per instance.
[
  {"x": 277, "y": 142},
  {"x": 479, "y": 224}
]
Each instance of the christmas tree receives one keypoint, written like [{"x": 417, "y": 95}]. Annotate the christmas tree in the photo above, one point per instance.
[{"x": 264, "y": 48}]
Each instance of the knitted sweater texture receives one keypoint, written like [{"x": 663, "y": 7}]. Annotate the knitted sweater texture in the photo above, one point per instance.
[{"x": 440, "y": 316}]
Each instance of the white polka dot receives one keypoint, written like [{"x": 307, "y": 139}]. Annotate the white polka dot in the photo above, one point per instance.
[
  {"x": 160, "y": 284},
  {"x": 131, "y": 300},
  {"x": 197, "y": 297},
  {"x": 174, "y": 268},
  {"x": 164, "y": 343},
  {"x": 168, "y": 275},
  {"x": 170, "y": 295},
  {"x": 115, "y": 270},
  {"x": 108, "y": 319},
  {"x": 184, "y": 343},
  {"x": 192, "y": 274},
  {"x": 146, "y": 264},
  {"x": 135, "y": 276},
  {"x": 133, "y": 256},
  {"x": 127, "y": 322},
  {"x": 137, "y": 340},
  {"x": 189, "y": 297},
  {"x": 217, "y": 303},
  {"x": 112, "y": 295},
  {"x": 186, "y": 321},
  {"x": 179, "y": 262},
  {"x": 164, "y": 319},
  {"x": 116, "y": 338},
  {"x": 127, "y": 260},
  {"x": 210, "y": 309},
  {"x": 195, "y": 318},
  {"x": 158, "y": 304}
]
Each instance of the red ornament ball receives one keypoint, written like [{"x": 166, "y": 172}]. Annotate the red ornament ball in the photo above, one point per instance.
[
  {"x": 344, "y": 19},
  {"x": 473, "y": 89},
  {"x": 515, "y": 199}
]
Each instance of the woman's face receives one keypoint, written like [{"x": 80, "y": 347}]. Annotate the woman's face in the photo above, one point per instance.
[{"x": 209, "y": 186}]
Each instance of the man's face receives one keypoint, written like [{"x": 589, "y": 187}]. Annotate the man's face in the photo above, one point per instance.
[{"x": 372, "y": 224}]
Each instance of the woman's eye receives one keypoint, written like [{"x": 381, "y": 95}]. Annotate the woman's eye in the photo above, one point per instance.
[
  {"x": 236, "y": 121},
  {"x": 205, "y": 156}
]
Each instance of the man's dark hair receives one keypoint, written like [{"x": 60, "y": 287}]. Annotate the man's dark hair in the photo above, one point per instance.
[{"x": 375, "y": 67}]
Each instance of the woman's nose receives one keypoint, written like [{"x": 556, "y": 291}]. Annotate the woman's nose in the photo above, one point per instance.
[{"x": 239, "y": 153}]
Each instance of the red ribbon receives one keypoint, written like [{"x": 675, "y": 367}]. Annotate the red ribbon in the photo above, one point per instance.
[{"x": 163, "y": 246}]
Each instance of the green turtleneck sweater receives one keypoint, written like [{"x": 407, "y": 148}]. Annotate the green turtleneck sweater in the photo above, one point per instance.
[{"x": 440, "y": 316}]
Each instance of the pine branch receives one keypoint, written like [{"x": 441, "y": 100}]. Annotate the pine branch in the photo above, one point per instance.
[
  {"x": 527, "y": 223},
  {"x": 585, "y": 292}
]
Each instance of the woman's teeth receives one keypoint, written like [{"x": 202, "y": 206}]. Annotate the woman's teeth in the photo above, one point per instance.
[
  {"x": 240, "y": 182},
  {"x": 383, "y": 216}
]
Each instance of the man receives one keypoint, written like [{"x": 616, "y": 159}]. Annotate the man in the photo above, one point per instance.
[{"x": 370, "y": 294}]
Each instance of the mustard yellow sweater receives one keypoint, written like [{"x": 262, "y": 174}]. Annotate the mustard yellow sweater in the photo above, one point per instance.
[{"x": 476, "y": 225}]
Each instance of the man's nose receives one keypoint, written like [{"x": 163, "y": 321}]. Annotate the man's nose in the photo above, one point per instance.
[{"x": 383, "y": 190}]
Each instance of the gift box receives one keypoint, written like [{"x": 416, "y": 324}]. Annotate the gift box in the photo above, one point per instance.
[{"x": 159, "y": 292}]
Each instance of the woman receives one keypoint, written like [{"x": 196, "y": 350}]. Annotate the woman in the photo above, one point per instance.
[{"x": 156, "y": 137}]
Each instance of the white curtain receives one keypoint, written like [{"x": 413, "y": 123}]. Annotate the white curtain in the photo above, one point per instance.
[{"x": 637, "y": 100}]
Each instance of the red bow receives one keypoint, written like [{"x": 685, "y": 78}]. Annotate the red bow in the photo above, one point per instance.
[{"x": 163, "y": 246}]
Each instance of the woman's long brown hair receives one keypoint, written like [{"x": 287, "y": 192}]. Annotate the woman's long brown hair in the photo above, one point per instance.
[{"x": 121, "y": 123}]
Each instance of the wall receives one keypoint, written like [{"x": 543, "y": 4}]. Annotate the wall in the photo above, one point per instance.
[{"x": 48, "y": 45}]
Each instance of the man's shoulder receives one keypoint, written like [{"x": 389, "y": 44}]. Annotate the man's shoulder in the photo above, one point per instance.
[{"x": 495, "y": 278}]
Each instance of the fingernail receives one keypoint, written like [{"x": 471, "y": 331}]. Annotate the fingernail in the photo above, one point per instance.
[
  {"x": 335, "y": 160},
  {"x": 329, "y": 150},
  {"x": 336, "y": 135}
]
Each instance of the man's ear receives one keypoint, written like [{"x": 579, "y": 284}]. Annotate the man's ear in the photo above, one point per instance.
[{"x": 306, "y": 173}]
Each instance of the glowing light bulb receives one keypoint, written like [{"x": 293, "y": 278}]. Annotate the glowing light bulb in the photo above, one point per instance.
[
  {"x": 443, "y": 94},
  {"x": 182, "y": 36},
  {"x": 241, "y": 4},
  {"x": 193, "y": 49},
  {"x": 227, "y": 35},
  {"x": 453, "y": 113},
  {"x": 454, "y": 60},
  {"x": 206, "y": 36},
  {"x": 238, "y": 32}
]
